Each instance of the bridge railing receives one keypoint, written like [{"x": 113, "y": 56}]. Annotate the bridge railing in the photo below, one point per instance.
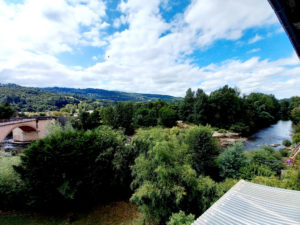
[
  {"x": 24, "y": 119},
  {"x": 15, "y": 119}
]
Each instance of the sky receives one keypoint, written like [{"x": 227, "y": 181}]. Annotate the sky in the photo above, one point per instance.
[{"x": 147, "y": 46}]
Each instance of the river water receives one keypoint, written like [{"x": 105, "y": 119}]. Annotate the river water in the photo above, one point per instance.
[
  {"x": 9, "y": 148},
  {"x": 274, "y": 134}
]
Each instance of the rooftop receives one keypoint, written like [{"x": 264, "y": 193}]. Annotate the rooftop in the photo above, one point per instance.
[{"x": 249, "y": 203}]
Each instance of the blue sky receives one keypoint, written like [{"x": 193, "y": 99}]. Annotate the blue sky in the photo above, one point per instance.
[{"x": 157, "y": 46}]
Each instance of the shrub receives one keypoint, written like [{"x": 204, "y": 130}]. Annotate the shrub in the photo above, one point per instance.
[
  {"x": 223, "y": 131},
  {"x": 72, "y": 168},
  {"x": 164, "y": 180},
  {"x": 11, "y": 186},
  {"x": 284, "y": 152},
  {"x": 145, "y": 117},
  {"x": 289, "y": 180},
  {"x": 167, "y": 117},
  {"x": 240, "y": 128},
  {"x": 232, "y": 160},
  {"x": 286, "y": 143},
  {"x": 266, "y": 156},
  {"x": 203, "y": 149},
  {"x": 223, "y": 187},
  {"x": 252, "y": 170},
  {"x": 296, "y": 138},
  {"x": 181, "y": 218}
]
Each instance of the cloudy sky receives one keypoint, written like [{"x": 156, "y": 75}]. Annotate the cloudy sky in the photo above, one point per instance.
[{"x": 147, "y": 46}]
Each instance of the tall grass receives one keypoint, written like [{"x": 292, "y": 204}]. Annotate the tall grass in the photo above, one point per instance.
[{"x": 11, "y": 186}]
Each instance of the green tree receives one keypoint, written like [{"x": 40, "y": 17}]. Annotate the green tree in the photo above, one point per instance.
[
  {"x": 124, "y": 116},
  {"x": 87, "y": 121},
  {"x": 187, "y": 107},
  {"x": 232, "y": 160},
  {"x": 201, "y": 108},
  {"x": 167, "y": 117},
  {"x": 6, "y": 111},
  {"x": 295, "y": 114},
  {"x": 253, "y": 170},
  {"x": 145, "y": 117},
  {"x": 203, "y": 149},
  {"x": 225, "y": 107},
  {"x": 74, "y": 168},
  {"x": 181, "y": 218},
  {"x": 164, "y": 181},
  {"x": 266, "y": 156},
  {"x": 285, "y": 110}
]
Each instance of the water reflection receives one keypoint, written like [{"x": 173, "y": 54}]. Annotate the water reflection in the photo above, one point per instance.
[
  {"x": 274, "y": 134},
  {"x": 9, "y": 148}
]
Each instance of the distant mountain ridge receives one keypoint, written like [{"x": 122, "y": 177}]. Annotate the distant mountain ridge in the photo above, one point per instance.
[
  {"x": 32, "y": 99},
  {"x": 102, "y": 94}
]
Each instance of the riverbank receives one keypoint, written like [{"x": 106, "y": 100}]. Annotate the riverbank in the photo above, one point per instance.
[
  {"x": 228, "y": 138},
  {"x": 272, "y": 136}
]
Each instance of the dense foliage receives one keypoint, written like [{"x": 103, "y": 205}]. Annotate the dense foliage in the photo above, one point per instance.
[
  {"x": 181, "y": 218},
  {"x": 225, "y": 108},
  {"x": 232, "y": 160},
  {"x": 11, "y": 186},
  {"x": 204, "y": 150},
  {"x": 6, "y": 111},
  {"x": 164, "y": 178},
  {"x": 32, "y": 99},
  {"x": 100, "y": 94},
  {"x": 170, "y": 173},
  {"x": 28, "y": 99},
  {"x": 72, "y": 168},
  {"x": 267, "y": 156}
]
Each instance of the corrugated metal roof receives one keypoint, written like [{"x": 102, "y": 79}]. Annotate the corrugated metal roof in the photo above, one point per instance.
[{"x": 249, "y": 203}]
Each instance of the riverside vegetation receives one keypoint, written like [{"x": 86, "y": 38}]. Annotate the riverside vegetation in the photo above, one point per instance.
[{"x": 172, "y": 174}]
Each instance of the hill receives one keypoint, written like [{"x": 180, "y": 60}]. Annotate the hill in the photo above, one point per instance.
[
  {"x": 108, "y": 95},
  {"x": 30, "y": 99}
]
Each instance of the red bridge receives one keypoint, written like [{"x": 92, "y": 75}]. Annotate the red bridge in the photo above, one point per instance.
[{"x": 26, "y": 129}]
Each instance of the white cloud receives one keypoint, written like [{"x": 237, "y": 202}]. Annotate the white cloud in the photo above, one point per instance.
[
  {"x": 276, "y": 77},
  {"x": 218, "y": 19},
  {"x": 150, "y": 56},
  {"x": 254, "y": 50},
  {"x": 48, "y": 26},
  {"x": 256, "y": 38}
]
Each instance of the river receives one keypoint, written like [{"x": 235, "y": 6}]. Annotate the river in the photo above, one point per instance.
[
  {"x": 9, "y": 148},
  {"x": 274, "y": 134}
]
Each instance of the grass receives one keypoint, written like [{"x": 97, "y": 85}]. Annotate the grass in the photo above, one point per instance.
[{"x": 118, "y": 213}]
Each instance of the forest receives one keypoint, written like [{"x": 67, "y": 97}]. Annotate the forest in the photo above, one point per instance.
[
  {"x": 224, "y": 108},
  {"x": 137, "y": 153},
  {"x": 29, "y": 99}
]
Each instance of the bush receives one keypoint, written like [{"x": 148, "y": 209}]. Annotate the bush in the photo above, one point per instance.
[
  {"x": 240, "y": 128},
  {"x": 289, "y": 180},
  {"x": 284, "y": 152},
  {"x": 252, "y": 170},
  {"x": 296, "y": 138},
  {"x": 11, "y": 186},
  {"x": 204, "y": 150},
  {"x": 286, "y": 143},
  {"x": 223, "y": 187},
  {"x": 73, "y": 168},
  {"x": 181, "y": 218},
  {"x": 164, "y": 180},
  {"x": 232, "y": 160},
  {"x": 223, "y": 131},
  {"x": 266, "y": 156},
  {"x": 167, "y": 117}
]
